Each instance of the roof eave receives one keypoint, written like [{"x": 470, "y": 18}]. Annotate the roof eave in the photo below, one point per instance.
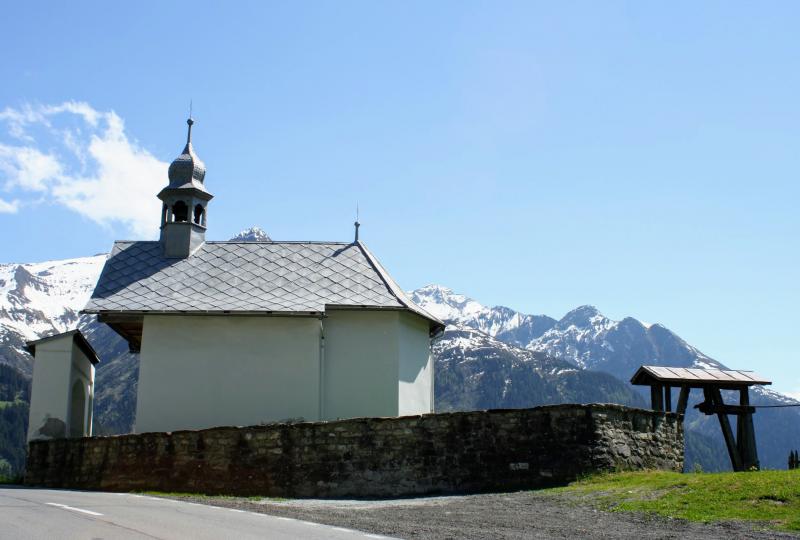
[
  {"x": 262, "y": 313},
  {"x": 78, "y": 338}
]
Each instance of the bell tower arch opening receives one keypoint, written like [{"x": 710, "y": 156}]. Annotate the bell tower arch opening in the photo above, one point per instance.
[
  {"x": 199, "y": 215},
  {"x": 180, "y": 212}
]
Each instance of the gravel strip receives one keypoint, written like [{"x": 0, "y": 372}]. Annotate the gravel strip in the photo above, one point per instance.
[{"x": 525, "y": 514}]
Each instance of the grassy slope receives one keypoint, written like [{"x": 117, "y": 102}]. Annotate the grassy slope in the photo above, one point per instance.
[{"x": 772, "y": 497}]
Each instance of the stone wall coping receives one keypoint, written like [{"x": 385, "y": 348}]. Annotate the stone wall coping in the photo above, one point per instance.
[{"x": 381, "y": 419}]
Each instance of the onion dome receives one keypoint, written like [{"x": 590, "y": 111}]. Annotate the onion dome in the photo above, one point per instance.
[{"x": 187, "y": 168}]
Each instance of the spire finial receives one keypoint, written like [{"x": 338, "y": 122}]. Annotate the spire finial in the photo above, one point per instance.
[
  {"x": 357, "y": 224},
  {"x": 190, "y": 121}
]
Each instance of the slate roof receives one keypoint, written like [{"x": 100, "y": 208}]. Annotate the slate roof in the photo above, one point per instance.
[
  {"x": 692, "y": 376},
  {"x": 247, "y": 277}
]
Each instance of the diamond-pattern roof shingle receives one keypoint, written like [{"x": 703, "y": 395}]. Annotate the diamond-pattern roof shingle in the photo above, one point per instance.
[{"x": 294, "y": 277}]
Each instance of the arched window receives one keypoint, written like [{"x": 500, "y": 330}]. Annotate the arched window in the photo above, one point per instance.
[
  {"x": 180, "y": 211},
  {"x": 198, "y": 214},
  {"x": 164, "y": 214}
]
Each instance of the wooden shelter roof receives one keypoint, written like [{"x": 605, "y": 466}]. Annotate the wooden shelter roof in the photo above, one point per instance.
[{"x": 724, "y": 378}]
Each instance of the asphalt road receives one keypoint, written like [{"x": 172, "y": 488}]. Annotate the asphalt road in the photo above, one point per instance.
[{"x": 60, "y": 514}]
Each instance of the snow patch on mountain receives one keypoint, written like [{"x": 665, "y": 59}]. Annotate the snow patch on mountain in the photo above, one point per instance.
[
  {"x": 501, "y": 322},
  {"x": 43, "y": 298},
  {"x": 253, "y": 234},
  {"x": 772, "y": 396}
]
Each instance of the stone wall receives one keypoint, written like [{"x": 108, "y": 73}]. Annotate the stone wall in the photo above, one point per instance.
[{"x": 371, "y": 457}]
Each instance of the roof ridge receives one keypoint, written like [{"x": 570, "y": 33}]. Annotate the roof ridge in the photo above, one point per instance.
[{"x": 322, "y": 242}]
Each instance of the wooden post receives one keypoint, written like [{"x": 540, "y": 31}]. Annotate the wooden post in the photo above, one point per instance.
[
  {"x": 740, "y": 432},
  {"x": 746, "y": 434},
  {"x": 683, "y": 399},
  {"x": 714, "y": 396},
  {"x": 656, "y": 397},
  {"x": 667, "y": 398}
]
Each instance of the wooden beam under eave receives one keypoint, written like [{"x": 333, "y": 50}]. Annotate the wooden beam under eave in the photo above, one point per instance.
[
  {"x": 683, "y": 399},
  {"x": 129, "y": 327},
  {"x": 707, "y": 408}
]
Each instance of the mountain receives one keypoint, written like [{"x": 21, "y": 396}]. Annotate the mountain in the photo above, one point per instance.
[
  {"x": 41, "y": 299},
  {"x": 477, "y": 371},
  {"x": 584, "y": 336},
  {"x": 253, "y": 234},
  {"x": 589, "y": 341},
  {"x": 500, "y": 322},
  {"x": 488, "y": 357}
]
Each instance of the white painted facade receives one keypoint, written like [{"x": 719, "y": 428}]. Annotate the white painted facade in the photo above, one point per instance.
[
  {"x": 202, "y": 371},
  {"x": 62, "y": 390}
]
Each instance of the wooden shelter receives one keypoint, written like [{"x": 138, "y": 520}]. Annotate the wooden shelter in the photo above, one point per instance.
[{"x": 661, "y": 380}]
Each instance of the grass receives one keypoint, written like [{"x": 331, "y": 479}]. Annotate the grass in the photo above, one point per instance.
[{"x": 769, "y": 497}]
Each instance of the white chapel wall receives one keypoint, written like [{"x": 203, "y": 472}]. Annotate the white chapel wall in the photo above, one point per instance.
[
  {"x": 377, "y": 363},
  {"x": 203, "y": 371},
  {"x": 360, "y": 364},
  {"x": 415, "y": 366}
]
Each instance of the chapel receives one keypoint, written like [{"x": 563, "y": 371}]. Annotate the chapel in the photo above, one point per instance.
[{"x": 245, "y": 333}]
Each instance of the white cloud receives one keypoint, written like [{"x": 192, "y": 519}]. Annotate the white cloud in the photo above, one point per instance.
[
  {"x": 8, "y": 207},
  {"x": 81, "y": 158},
  {"x": 27, "y": 168}
]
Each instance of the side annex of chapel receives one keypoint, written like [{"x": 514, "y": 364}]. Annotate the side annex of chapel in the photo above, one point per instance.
[{"x": 243, "y": 333}]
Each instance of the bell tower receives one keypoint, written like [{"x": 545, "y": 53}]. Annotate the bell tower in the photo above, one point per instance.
[{"x": 183, "y": 214}]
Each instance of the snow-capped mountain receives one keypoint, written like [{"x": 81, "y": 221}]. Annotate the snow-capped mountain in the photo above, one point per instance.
[
  {"x": 253, "y": 234},
  {"x": 40, "y": 299},
  {"x": 501, "y": 322},
  {"x": 584, "y": 336},
  {"x": 477, "y": 371}
]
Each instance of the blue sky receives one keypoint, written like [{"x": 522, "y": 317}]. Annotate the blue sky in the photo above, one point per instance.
[{"x": 641, "y": 157}]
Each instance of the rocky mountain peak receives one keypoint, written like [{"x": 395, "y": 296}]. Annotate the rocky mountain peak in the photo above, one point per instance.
[
  {"x": 23, "y": 278},
  {"x": 447, "y": 305},
  {"x": 582, "y": 316},
  {"x": 253, "y": 234}
]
